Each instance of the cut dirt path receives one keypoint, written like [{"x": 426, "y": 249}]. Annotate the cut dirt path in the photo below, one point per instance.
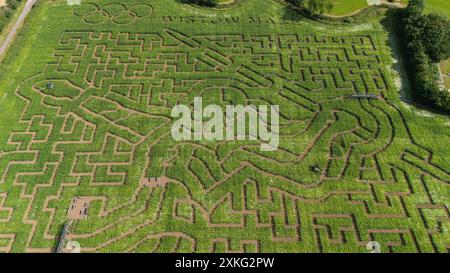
[{"x": 10, "y": 38}]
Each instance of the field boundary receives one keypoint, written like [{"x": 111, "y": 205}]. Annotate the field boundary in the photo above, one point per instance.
[
  {"x": 10, "y": 37},
  {"x": 4, "y": 32}
]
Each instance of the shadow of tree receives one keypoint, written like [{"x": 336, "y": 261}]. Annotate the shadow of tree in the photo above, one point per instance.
[
  {"x": 391, "y": 23},
  {"x": 291, "y": 15},
  {"x": 206, "y": 3}
]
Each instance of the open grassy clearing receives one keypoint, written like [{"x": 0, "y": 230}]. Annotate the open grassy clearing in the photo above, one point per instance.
[
  {"x": 445, "y": 70},
  {"x": 439, "y": 6},
  {"x": 346, "y": 7},
  {"x": 89, "y": 90}
]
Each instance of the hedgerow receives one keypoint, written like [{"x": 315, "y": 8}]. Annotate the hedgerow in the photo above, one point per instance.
[{"x": 422, "y": 56}]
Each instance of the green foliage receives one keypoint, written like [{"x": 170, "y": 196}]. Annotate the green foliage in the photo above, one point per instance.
[
  {"x": 319, "y": 6},
  {"x": 427, "y": 40},
  {"x": 416, "y": 6},
  {"x": 436, "y": 37}
]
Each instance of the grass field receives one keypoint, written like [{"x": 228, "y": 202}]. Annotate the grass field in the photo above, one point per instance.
[
  {"x": 87, "y": 94},
  {"x": 346, "y": 7},
  {"x": 438, "y": 6},
  {"x": 445, "y": 70}
]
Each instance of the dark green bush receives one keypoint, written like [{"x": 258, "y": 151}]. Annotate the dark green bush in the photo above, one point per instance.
[{"x": 427, "y": 41}]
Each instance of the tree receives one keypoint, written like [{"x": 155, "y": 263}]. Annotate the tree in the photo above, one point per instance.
[
  {"x": 319, "y": 6},
  {"x": 435, "y": 36},
  {"x": 428, "y": 33},
  {"x": 416, "y": 6},
  {"x": 427, "y": 40}
]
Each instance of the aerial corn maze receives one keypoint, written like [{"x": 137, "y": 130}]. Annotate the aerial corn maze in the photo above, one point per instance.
[{"x": 87, "y": 156}]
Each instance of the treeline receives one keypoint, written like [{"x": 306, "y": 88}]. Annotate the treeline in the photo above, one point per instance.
[
  {"x": 7, "y": 12},
  {"x": 427, "y": 40},
  {"x": 208, "y": 3}
]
